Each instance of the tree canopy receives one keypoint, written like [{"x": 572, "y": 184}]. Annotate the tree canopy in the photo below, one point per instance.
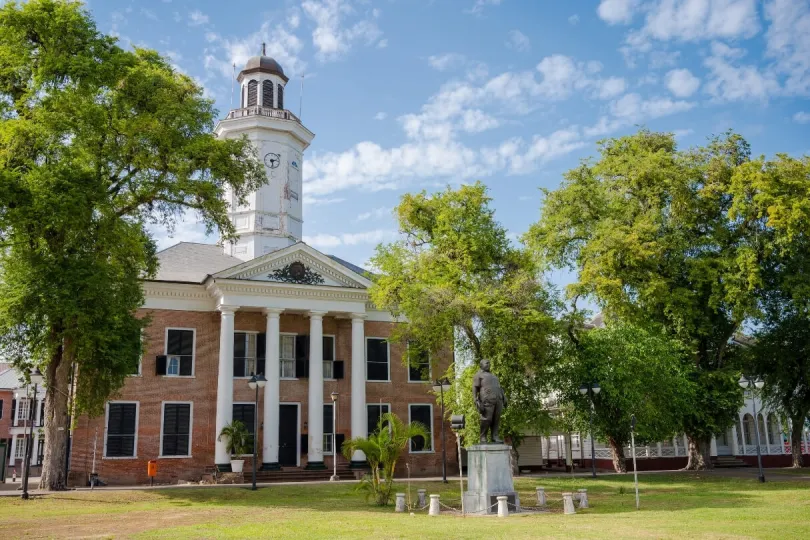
[{"x": 96, "y": 143}]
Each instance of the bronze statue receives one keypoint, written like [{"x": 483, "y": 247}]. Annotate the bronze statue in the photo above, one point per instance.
[{"x": 490, "y": 401}]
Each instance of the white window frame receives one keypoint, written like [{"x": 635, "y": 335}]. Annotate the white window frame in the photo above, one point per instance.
[
  {"x": 256, "y": 360},
  {"x": 190, "y": 428},
  {"x": 432, "y": 438},
  {"x": 255, "y": 413},
  {"x": 280, "y": 359},
  {"x": 369, "y": 428},
  {"x": 19, "y": 446},
  {"x": 107, "y": 423},
  {"x": 140, "y": 361},
  {"x": 334, "y": 352},
  {"x": 19, "y": 416},
  {"x": 365, "y": 355},
  {"x": 193, "y": 353},
  {"x": 325, "y": 451},
  {"x": 430, "y": 368}
]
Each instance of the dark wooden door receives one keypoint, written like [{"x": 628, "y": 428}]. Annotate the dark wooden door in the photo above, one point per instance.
[{"x": 288, "y": 436}]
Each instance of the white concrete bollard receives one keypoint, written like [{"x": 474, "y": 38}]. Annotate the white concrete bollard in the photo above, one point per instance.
[
  {"x": 400, "y": 502},
  {"x": 568, "y": 503},
  {"x": 503, "y": 506},
  {"x": 433, "y": 510},
  {"x": 541, "y": 496},
  {"x": 583, "y": 498},
  {"x": 422, "y": 497}
]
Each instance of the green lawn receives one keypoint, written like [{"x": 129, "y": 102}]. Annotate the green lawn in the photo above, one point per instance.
[{"x": 673, "y": 505}]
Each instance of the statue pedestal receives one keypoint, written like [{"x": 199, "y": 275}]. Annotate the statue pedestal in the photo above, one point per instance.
[{"x": 489, "y": 475}]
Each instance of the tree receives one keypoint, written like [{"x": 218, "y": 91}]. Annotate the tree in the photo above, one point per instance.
[
  {"x": 639, "y": 371},
  {"x": 96, "y": 143},
  {"x": 455, "y": 278},
  {"x": 383, "y": 449},
  {"x": 658, "y": 236}
]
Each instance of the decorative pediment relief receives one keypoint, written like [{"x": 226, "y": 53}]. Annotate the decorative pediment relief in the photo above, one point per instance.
[{"x": 296, "y": 272}]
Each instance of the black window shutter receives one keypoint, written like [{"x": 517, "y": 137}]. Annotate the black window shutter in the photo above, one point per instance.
[
  {"x": 13, "y": 411},
  {"x": 337, "y": 369},
  {"x": 41, "y": 412},
  {"x": 260, "y": 366},
  {"x": 327, "y": 418},
  {"x": 328, "y": 348},
  {"x": 253, "y": 87},
  {"x": 302, "y": 357},
  {"x": 185, "y": 365},
  {"x": 238, "y": 366},
  {"x": 160, "y": 365},
  {"x": 302, "y": 369},
  {"x": 339, "y": 438},
  {"x": 261, "y": 350},
  {"x": 280, "y": 97},
  {"x": 1, "y": 408},
  {"x": 304, "y": 439},
  {"x": 238, "y": 345}
]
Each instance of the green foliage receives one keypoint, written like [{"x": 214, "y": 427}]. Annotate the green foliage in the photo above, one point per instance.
[
  {"x": 239, "y": 438},
  {"x": 455, "y": 278},
  {"x": 640, "y": 372},
  {"x": 672, "y": 238},
  {"x": 382, "y": 449}
]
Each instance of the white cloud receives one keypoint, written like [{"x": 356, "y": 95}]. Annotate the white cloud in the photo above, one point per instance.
[
  {"x": 616, "y": 11},
  {"x": 380, "y": 116},
  {"x": 446, "y": 61},
  {"x": 802, "y": 117},
  {"x": 681, "y": 133},
  {"x": 382, "y": 44},
  {"x": 375, "y": 214},
  {"x": 519, "y": 41},
  {"x": 611, "y": 87},
  {"x": 573, "y": 20},
  {"x": 322, "y": 201},
  {"x": 479, "y": 6},
  {"x": 733, "y": 82},
  {"x": 788, "y": 42},
  {"x": 682, "y": 83},
  {"x": 197, "y": 17},
  {"x": 331, "y": 38},
  {"x": 350, "y": 239},
  {"x": 633, "y": 108}
]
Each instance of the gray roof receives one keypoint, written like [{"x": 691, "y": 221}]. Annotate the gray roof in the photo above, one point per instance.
[
  {"x": 192, "y": 263},
  {"x": 353, "y": 267},
  {"x": 264, "y": 64},
  {"x": 10, "y": 378}
]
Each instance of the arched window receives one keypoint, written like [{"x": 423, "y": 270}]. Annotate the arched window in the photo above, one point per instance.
[
  {"x": 773, "y": 428},
  {"x": 739, "y": 432},
  {"x": 253, "y": 88},
  {"x": 267, "y": 94},
  {"x": 748, "y": 422},
  {"x": 763, "y": 434},
  {"x": 280, "y": 97}
]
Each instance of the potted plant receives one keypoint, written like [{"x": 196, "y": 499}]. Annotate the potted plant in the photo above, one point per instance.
[{"x": 238, "y": 442}]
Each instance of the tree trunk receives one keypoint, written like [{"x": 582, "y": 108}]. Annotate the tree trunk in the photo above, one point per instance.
[
  {"x": 796, "y": 441},
  {"x": 699, "y": 454},
  {"x": 56, "y": 423},
  {"x": 619, "y": 463}
]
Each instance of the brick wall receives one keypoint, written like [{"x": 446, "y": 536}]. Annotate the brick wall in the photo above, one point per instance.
[{"x": 151, "y": 390}]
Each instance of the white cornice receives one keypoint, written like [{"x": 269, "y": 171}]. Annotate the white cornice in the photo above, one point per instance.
[
  {"x": 177, "y": 296},
  {"x": 217, "y": 287}
]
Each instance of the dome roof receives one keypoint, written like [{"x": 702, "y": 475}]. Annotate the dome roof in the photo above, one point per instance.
[{"x": 264, "y": 64}]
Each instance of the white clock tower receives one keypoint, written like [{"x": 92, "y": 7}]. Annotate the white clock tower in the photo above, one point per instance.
[{"x": 272, "y": 217}]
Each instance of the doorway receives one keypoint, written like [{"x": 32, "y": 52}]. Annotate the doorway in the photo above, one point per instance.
[{"x": 288, "y": 437}]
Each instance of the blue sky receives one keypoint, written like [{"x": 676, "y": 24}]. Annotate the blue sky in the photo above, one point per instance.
[{"x": 405, "y": 95}]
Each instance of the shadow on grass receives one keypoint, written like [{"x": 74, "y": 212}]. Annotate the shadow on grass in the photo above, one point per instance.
[{"x": 607, "y": 495}]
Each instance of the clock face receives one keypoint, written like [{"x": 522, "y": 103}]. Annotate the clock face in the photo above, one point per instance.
[{"x": 272, "y": 160}]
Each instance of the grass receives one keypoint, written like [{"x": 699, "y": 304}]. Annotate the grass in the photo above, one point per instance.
[{"x": 683, "y": 505}]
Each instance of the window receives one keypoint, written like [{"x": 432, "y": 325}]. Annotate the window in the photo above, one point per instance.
[
  {"x": 252, "y": 93},
  {"x": 280, "y": 97},
  {"x": 376, "y": 359},
  {"x": 267, "y": 94},
  {"x": 19, "y": 448},
  {"x": 418, "y": 364},
  {"x": 1, "y": 409},
  {"x": 328, "y": 357},
  {"x": 374, "y": 412},
  {"x": 42, "y": 412},
  {"x": 23, "y": 410},
  {"x": 245, "y": 354},
  {"x": 328, "y": 432},
  {"x": 287, "y": 356},
  {"x": 179, "y": 352},
  {"x": 245, "y": 413},
  {"x": 175, "y": 436},
  {"x": 122, "y": 430},
  {"x": 423, "y": 414}
]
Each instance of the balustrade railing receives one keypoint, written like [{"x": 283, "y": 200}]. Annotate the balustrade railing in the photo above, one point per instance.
[{"x": 281, "y": 114}]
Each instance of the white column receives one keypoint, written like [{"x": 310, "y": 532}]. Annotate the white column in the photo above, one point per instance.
[
  {"x": 224, "y": 385},
  {"x": 33, "y": 449},
  {"x": 713, "y": 446},
  {"x": 271, "y": 391},
  {"x": 779, "y": 440},
  {"x": 735, "y": 446},
  {"x": 315, "y": 416},
  {"x": 359, "y": 416},
  {"x": 743, "y": 428},
  {"x": 765, "y": 433}
]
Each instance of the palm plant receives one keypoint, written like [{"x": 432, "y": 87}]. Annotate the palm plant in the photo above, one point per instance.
[
  {"x": 383, "y": 449},
  {"x": 238, "y": 436}
]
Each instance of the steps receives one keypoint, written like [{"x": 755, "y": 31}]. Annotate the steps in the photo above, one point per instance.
[
  {"x": 728, "y": 462},
  {"x": 295, "y": 474}
]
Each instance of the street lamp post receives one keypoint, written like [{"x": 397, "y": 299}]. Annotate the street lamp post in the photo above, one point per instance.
[
  {"x": 334, "y": 396},
  {"x": 440, "y": 386},
  {"x": 256, "y": 382},
  {"x": 754, "y": 385},
  {"x": 591, "y": 390},
  {"x": 36, "y": 378}
]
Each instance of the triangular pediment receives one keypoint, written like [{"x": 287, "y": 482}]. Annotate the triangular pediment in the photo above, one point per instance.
[{"x": 298, "y": 264}]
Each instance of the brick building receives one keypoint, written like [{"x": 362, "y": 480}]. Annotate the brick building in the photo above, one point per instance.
[
  {"x": 269, "y": 304},
  {"x": 21, "y": 416}
]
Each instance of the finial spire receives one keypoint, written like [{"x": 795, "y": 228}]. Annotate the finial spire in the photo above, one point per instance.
[{"x": 264, "y": 49}]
